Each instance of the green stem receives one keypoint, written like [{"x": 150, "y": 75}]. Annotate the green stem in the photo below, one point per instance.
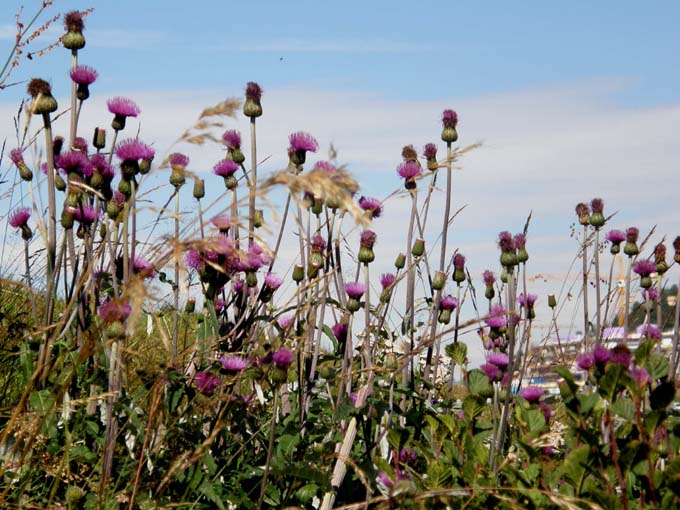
[
  {"x": 270, "y": 449},
  {"x": 253, "y": 183}
]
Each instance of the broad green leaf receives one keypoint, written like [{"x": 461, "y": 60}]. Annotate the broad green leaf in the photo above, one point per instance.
[
  {"x": 624, "y": 408},
  {"x": 479, "y": 384}
]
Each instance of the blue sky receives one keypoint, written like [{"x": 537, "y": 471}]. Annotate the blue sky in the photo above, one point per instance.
[{"x": 571, "y": 101}]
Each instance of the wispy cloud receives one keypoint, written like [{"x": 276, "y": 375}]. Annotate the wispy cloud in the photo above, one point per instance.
[
  {"x": 113, "y": 38},
  {"x": 332, "y": 46}
]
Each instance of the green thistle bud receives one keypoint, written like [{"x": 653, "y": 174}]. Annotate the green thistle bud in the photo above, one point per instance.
[
  {"x": 552, "y": 302},
  {"x": 236, "y": 155},
  {"x": 24, "y": 172},
  {"x": 504, "y": 274},
  {"x": 129, "y": 168},
  {"x": 112, "y": 209},
  {"x": 190, "y": 306},
  {"x": 418, "y": 248},
  {"x": 317, "y": 206},
  {"x": 278, "y": 375},
  {"x": 125, "y": 187},
  {"x": 145, "y": 166},
  {"x": 449, "y": 135},
  {"x": 631, "y": 249},
  {"x": 615, "y": 249},
  {"x": 251, "y": 279},
  {"x": 115, "y": 331},
  {"x": 199, "y": 189},
  {"x": 298, "y": 273},
  {"x": 73, "y": 40},
  {"x": 66, "y": 219},
  {"x": 353, "y": 305},
  {"x": 385, "y": 295},
  {"x": 230, "y": 182},
  {"x": 522, "y": 255},
  {"x": 444, "y": 316},
  {"x": 438, "y": 280},
  {"x": 97, "y": 180},
  {"x": 489, "y": 293},
  {"x": 313, "y": 270},
  {"x": 99, "y": 138},
  {"x": 508, "y": 259},
  {"x": 459, "y": 276},
  {"x": 59, "y": 182},
  {"x": 645, "y": 282},
  {"x": 400, "y": 262},
  {"x": 26, "y": 232},
  {"x": 43, "y": 101},
  {"x": 258, "y": 221},
  {"x": 597, "y": 220},
  {"x": 366, "y": 255},
  {"x": 177, "y": 178}
]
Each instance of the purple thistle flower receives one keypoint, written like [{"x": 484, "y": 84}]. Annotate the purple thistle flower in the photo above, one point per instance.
[
  {"x": 80, "y": 144},
  {"x": 632, "y": 234},
  {"x": 178, "y": 159},
  {"x": 300, "y": 141},
  {"x": 285, "y": 322},
  {"x": 272, "y": 282},
  {"x": 232, "y": 139},
  {"x": 601, "y": 354},
  {"x": 119, "y": 198},
  {"x": 143, "y": 267},
  {"x": 531, "y": 393},
  {"x": 233, "y": 363},
  {"x": 84, "y": 214},
  {"x": 430, "y": 151},
  {"x": 621, "y": 355},
  {"x": 83, "y": 75},
  {"x": 221, "y": 222},
  {"x": 650, "y": 331},
  {"x": 585, "y": 361},
  {"x": 547, "y": 410},
  {"x": 19, "y": 217},
  {"x": 318, "y": 244},
  {"x": 409, "y": 170},
  {"x": 650, "y": 294},
  {"x": 492, "y": 372},
  {"x": 123, "y": 106},
  {"x": 640, "y": 376},
  {"x": 114, "y": 311},
  {"x": 449, "y": 119},
  {"x": 355, "y": 289},
  {"x": 597, "y": 205},
  {"x": 582, "y": 210},
  {"x": 367, "y": 239},
  {"x": 498, "y": 359},
  {"x": 407, "y": 455},
  {"x": 253, "y": 91},
  {"x": 220, "y": 304},
  {"x": 340, "y": 331},
  {"x": 133, "y": 149},
  {"x": 73, "y": 21},
  {"x": 497, "y": 317},
  {"x": 459, "y": 261},
  {"x": 506, "y": 241},
  {"x": 489, "y": 278},
  {"x": 206, "y": 382},
  {"x": 387, "y": 280},
  {"x": 283, "y": 357},
  {"x": 520, "y": 241},
  {"x": 98, "y": 162},
  {"x": 16, "y": 155},
  {"x": 194, "y": 260},
  {"x": 616, "y": 236},
  {"x": 448, "y": 303},
  {"x": 74, "y": 161},
  {"x": 225, "y": 168},
  {"x": 644, "y": 267},
  {"x": 371, "y": 205},
  {"x": 325, "y": 166},
  {"x": 527, "y": 301},
  {"x": 385, "y": 480}
]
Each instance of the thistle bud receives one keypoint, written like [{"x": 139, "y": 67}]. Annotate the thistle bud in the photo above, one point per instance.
[
  {"x": 99, "y": 138},
  {"x": 676, "y": 247},
  {"x": 251, "y": 279},
  {"x": 631, "y": 248},
  {"x": 449, "y": 122},
  {"x": 59, "y": 182},
  {"x": 583, "y": 213},
  {"x": 67, "y": 218},
  {"x": 459, "y": 268},
  {"x": 438, "y": 280},
  {"x": 353, "y": 305},
  {"x": 660, "y": 258},
  {"x": 418, "y": 248},
  {"x": 26, "y": 232},
  {"x": 489, "y": 293},
  {"x": 125, "y": 187},
  {"x": 298, "y": 273},
  {"x": 252, "y": 107},
  {"x": 258, "y": 221},
  {"x": 400, "y": 262},
  {"x": 552, "y": 302},
  {"x": 73, "y": 39},
  {"x": 597, "y": 218},
  {"x": 199, "y": 189},
  {"x": 112, "y": 209}
]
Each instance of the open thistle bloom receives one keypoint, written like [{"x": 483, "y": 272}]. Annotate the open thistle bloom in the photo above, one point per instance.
[
  {"x": 131, "y": 152},
  {"x": 325, "y": 166},
  {"x": 459, "y": 268},
  {"x": 430, "y": 155},
  {"x": 527, "y": 302},
  {"x": 409, "y": 171},
  {"x": 372, "y": 206},
  {"x": 644, "y": 268},
  {"x": 84, "y": 214},
  {"x": 660, "y": 258},
  {"x": 583, "y": 213},
  {"x": 615, "y": 237},
  {"x": 252, "y": 107},
  {"x": 74, "y": 162},
  {"x": 630, "y": 248},
  {"x": 226, "y": 169},
  {"x": 271, "y": 284},
  {"x": 585, "y": 361},
  {"x": 650, "y": 331},
  {"x": 367, "y": 241},
  {"x": 354, "y": 291},
  {"x": 507, "y": 245},
  {"x": 449, "y": 122},
  {"x": 73, "y": 39},
  {"x": 17, "y": 157},
  {"x": 122, "y": 108},
  {"x": 283, "y": 358},
  {"x": 222, "y": 223},
  {"x": 300, "y": 144},
  {"x": 386, "y": 282},
  {"x": 640, "y": 376},
  {"x": 597, "y": 218},
  {"x": 143, "y": 267},
  {"x": 19, "y": 219},
  {"x": 233, "y": 364},
  {"x": 41, "y": 93},
  {"x": 521, "y": 246},
  {"x": 178, "y": 163},
  {"x": 497, "y": 318},
  {"x": 531, "y": 393},
  {"x": 621, "y": 355},
  {"x": 493, "y": 373},
  {"x": 650, "y": 294},
  {"x": 446, "y": 305},
  {"x": 232, "y": 139},
  {"x": 489, "y": 280},
  {"x": 601, "y": 355},
  {"x": 115, "y": 310},
  {"x": 206, "y": 382},
  {"x": 498, "y": 359},
  {"x": 83, "y": 76}
]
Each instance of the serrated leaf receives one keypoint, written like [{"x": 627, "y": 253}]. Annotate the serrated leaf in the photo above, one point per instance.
[
  {"x": 624, "y": 408},
  {"x": 457, "y": 352},
  {"x": 568, "y": 377},
  {"x": 478, "y": 384}
]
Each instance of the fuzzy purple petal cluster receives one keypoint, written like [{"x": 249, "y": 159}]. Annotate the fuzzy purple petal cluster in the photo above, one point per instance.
[
  {"x": 232, "y": 139},
  {"x": 644, "y": 267},
  {"x": 585, "y": 361},
  {"x": 650, "y": 294},
  {"x": 123, "y": 106},
  {"x": 283, "y": 357},
  {"x": 616, "y": 236},
  {"x": 632, "y": 234},
  {"x": 285, "y": 322},
  {"x": 84, "y": 214},
  {"x": 300, "y": 141},
  {"x": 367, "y": 239},
  {"x": 99, "y": 163},
  {"x": 448, "y": 303},
  {"x": 497, "y": 317},
  {"x": 489, "y": 278},
  {"x": 409, "y": 170},
  {"x": 272, "y": 282},
  {"x": 498, "y": 359},
  {"x": 520, "y": 241},
  {"x": 597, "y": 205},
  {"x": 407, "y": 455},
  {"x": 253, "y": 91},
  {"x": 206, "y": 382},
  {"x": 74, "y": 161},
  {"x": 650, "y": 331},
  {"x": 340, "y": 330},
  {"x": 233, "y": 363},
  {"x": 527, "y": 301},
  {"x": 491, "y": 371},
  {"x": 325, "y": 166},
  {"x": 225, "y": 168},
  {"x": 355, "y": 289},
  {"x": 531, "y": 393},
  {"x": 505, "y": 241},
  {"x": 119, "y": 198},
  {"x": 459, "y": 261},
  {"x": 222, "y": 222},
  {"x": 318, "y": 244},
  {"x": 449, "y": 119},
  {"x": 194, "y": 260},
  {"x": 83, "y": 75},
  {"x": 133, "y": 149},
  {"x": 178, "y": 159},
  {"x": 114, "y": 311},
  {"x": 387, "y": 280},
  {"x": 601, "y": 354},
  {"x": 372, "y": 205},
  {"x": 640, "y": 376},
  {"x": 143, "y": 267},
  {"x": 16, "y": 155},
  {"x": 20, "y": 217},
  {"x": 430, "y": 151}
]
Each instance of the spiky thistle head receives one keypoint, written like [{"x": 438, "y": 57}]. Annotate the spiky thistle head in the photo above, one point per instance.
[
  {"x": 489, "y": 278},
  {"x": 73, "y": 21},
  {"x": 252, "y": 107},
  {"x": 83, "y": 75},
  {"x": 373, "y": 206},
  {"x": 232, "y": 139}
]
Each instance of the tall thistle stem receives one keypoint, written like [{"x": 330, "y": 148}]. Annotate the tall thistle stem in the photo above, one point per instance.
[
  {"x": 676, "y": 335},
  {"x": 175, "y": 317},
  {"x": 74, "y": 107},
  {"x": 253, "y": 183},
  {"x": 598, "y": 302},
  {"x": 270, "y": 449},
  {"x": 30, "y": 284},
  {"x": 409, "y": 316},
  {"x": 626, "y": 311},
  {"x": 52, "y": 220},
  {"x": 586, "y": 322}
]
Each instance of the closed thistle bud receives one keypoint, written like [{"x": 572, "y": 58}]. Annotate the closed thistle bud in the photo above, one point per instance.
[
  {"x": 230, "y": 182},
  {"x": 17, "y": 157},
  {"x": 97, "y": 180},
  {"x": 489, "y": 293},
  {"x": 353, "y": 305},
  {"x": 504, "y": 274},
  {"x": 252, "y": 107},
  {"x": 459, "y": 268},
  {"x": 400, "y": 261},
  {"x": 444, "y": 316},
  {"x": 631, "y": 248},
  {"x": 199, "y": 189},
  {"x": 236, "y": 155},
  {"x": 178, "y": 163},
  {"x": 298, "y": 273},
  {"x": 26, "y": 232},
  {"x": 660, "y": 258},
  {"x": 43, "y": 101},
  {"x": 59, "y": 182},
  {"x": 317, "y": 206},
  {"x": 552, "y": 302},
  {"x": 125, "y": 187},
  {"x": 258, "y": 221},
  {"x": 418, "y": 248},
  {"x": 67, "y": 218},
  {"x": 366, "y": 255},
  {"x": 112, "y": 209},
  {"x": 251, "y": 279},
  {"x": 99, "y": 138},
  {"x": 676, "y": 247},
  {"x": 145, "y": 166},
  {"x": 438, "y": 280}
]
